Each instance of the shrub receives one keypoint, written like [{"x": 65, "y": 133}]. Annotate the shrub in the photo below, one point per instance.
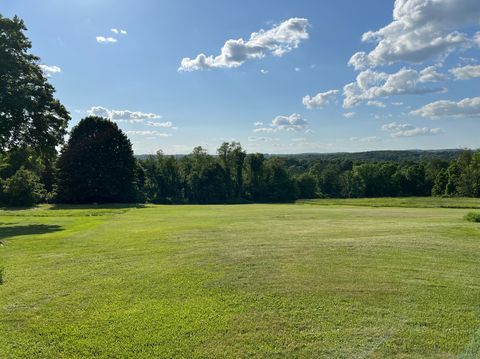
[
  {"x": 473, "y": 217},
  {"x": 23, "y": 189}
]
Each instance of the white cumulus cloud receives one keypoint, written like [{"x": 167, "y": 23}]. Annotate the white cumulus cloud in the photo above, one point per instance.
[
  {"x": 294, "y": 122},
  {"x": 468, "y": 107},
  {"x": 277, "y": 41},
  {"x": 319, "y": 100},
  {"x": 50, "y": 70},
  {"x": 430, "y": 74},
  {"x": 122, "y": 115},
  {"x": 370, "y": 85},
  {"x": 421, "y": 29},
  {"x": 466, "y": 72}
]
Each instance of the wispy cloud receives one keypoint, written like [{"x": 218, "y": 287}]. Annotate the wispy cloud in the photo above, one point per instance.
[
  {"x": 167, "y": 124},
  {"x": 407, "y": 130},
  {"x": 149, "y": 133},
  {"x": 376, "y": 104},
  {"x": 106, "y": 40},
  {"x": 118, "y": 31}
]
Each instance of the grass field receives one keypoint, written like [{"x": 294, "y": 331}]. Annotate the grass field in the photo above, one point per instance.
[{"x": 327, "y": 278}]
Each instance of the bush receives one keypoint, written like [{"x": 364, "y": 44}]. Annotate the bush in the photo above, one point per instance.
[
  {"x": 473, "y": 217},
  {"x": 23, "y": 189}
]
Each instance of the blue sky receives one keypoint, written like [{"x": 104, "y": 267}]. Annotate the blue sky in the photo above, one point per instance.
[{"x": 412, "y": 82}]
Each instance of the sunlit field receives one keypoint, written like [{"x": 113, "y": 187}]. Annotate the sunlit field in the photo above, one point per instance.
[{"x": 325, "y": 278}]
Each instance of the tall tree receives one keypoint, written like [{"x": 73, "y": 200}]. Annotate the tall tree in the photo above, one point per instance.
[
  {"x": 97, "y": 164},
  {"x": 253, "y": 176},
  {"x": 29, "y": 113},
  {"x": 231, "y": 156}
]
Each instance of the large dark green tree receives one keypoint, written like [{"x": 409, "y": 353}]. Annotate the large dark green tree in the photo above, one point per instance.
[
  {"x": 97, "y": 164},
  {"x": 29, "y": 113}
]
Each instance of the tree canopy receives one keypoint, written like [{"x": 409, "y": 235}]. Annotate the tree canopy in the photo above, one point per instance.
[
  {"x": 97, "y": 164},
  {"x": 29, "y": 113}
]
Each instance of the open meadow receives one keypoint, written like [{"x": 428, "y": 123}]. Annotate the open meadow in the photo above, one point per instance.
[{"x": 325, "y": 278}]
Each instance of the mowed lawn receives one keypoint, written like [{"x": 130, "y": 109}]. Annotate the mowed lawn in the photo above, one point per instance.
[{"x": 320, "y": 279}]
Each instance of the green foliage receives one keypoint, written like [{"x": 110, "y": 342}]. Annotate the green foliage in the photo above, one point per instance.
[
  {"x": 279, "y": 186},
  {"x": 29, "y": 115},
  {"x": 253, "y": 176},
  {"x": 473, "y": 217},
  {"x": 2, "y": 273},
  {"x": 307, "y": 185},
  {"x": 352, "y": 184},
  {"x": 162, "y": 182},
  {"x": 97, "y": 164},
  {"x": 441, "y": 182},
  {"x": 231, "y": 157},
  {"x": 204, "y": 178},
  {"x": 233, "y": 176},
  {"x": 461, "y": 178},
  {"x": 23, "y": 189}
]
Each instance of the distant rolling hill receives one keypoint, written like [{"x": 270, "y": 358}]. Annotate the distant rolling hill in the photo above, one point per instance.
[{"x": 393, "y": 155}]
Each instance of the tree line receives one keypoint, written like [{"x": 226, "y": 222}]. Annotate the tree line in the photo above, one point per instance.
[{"x": 97, "y": 163}]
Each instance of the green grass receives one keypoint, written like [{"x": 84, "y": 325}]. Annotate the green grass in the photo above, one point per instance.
[
  {"x": 473, "y": 217},
  {"x": 329, "y": 278},
  {"x": 407, "y": 202}
]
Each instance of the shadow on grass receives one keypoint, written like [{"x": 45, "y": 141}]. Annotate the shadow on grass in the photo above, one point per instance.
[
  {"x": 97, "y": 206},
  {"x": 32, "y": 229},
  {"x": 7, "y": 208}
]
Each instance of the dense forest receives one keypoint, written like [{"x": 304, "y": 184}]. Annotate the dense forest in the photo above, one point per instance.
[
  {"x": 235, "y": 176},
  {"x": 97, "y": 163}
]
